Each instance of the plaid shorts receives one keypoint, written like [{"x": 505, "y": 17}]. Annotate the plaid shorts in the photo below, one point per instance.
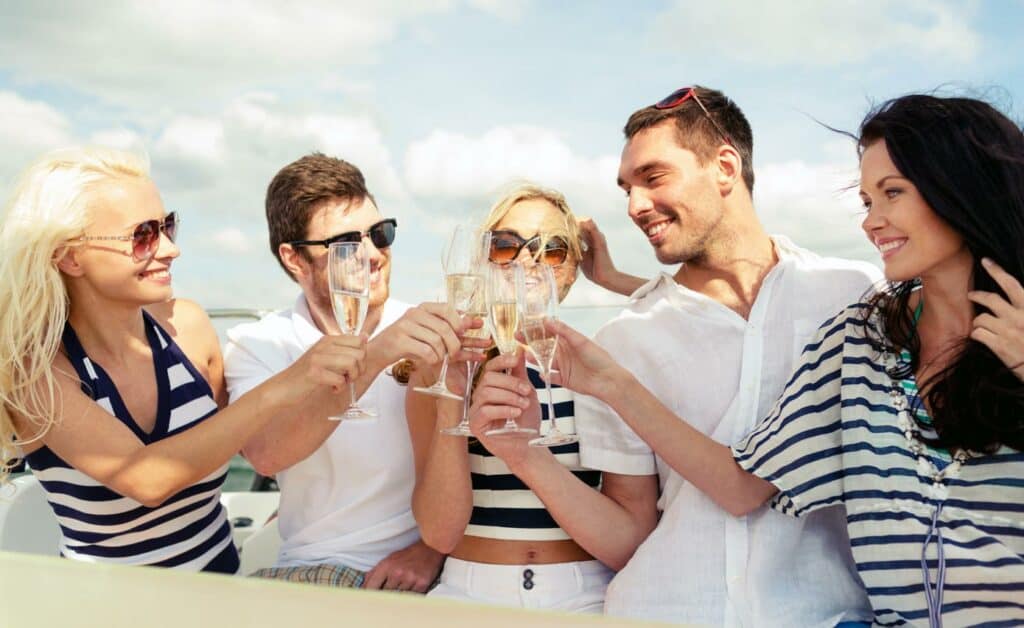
[{"x": 325, "y": 575}]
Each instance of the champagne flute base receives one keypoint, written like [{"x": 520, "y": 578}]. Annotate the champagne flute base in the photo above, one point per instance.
[
  {"x": 512, "y": 432},
  {"x": 457, "y": 430},
  {"x": 438, "y": 391},
  {"x": 554, "y": 439},
  {"x": 354, "y": 413}
]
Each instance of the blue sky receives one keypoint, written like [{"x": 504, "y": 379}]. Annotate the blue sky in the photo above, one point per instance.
[{"x": 441, "y": 102}]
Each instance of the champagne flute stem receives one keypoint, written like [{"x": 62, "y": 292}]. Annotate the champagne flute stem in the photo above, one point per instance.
[
  {"x": 553, "y": 426},
  {"x": 442, "y": 379},
  {"x": 352, "y": 393},
  {"x": 470, "y": 370}
]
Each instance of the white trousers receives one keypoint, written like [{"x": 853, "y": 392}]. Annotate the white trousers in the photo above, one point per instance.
[{"x": 571, "y": 587}]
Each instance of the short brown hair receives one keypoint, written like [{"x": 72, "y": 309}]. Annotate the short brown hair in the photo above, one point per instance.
[
  {"x": 299, "y": 188},
  {"x": 696, "y": 133}
]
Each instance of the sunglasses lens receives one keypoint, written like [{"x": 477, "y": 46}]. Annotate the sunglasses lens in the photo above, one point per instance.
[
  {"x": 503, "y": 249},
  {"x": 555, "y": 256},
  {"x": 382, "y": 234},
  {"x": 675, "y": 98},
  {"x": 171, "y": 226},
  {"x": 144, "y": 239}
]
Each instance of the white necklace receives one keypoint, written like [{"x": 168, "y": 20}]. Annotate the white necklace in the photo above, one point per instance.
[{"x": 913, "y": 435}]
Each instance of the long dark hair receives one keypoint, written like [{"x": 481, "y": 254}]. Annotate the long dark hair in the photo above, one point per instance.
[{"x": 967, "y": 161}]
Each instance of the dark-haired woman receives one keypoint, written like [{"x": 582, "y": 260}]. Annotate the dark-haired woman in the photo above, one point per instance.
[{"x": 907, "y": 410}]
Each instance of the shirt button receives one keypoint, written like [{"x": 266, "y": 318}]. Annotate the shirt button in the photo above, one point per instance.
[
  {"x": 528, "y": 573},
  {"x": 528, "y": 585}
]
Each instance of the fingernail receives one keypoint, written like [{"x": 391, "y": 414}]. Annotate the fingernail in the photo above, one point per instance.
[
  {"x": 986, "y": 261},
  {"x": 516, "y": 411}
]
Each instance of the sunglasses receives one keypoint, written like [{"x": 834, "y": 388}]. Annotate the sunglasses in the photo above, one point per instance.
[
  {"x": 506, "y": 246},
  {"x": 145, "y": 237},
  {"x": 382, "y": 234},
  {"x": 683, "y": 94}
]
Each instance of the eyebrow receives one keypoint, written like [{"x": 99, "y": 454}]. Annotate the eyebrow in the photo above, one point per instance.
[{"x": 643, "y": 168}]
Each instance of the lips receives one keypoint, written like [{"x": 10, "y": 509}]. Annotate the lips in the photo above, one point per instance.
[
  {"x": 159, "y": 275},
  {"x": 655, "y": 231},
  {"x": 890, "y": 246}
]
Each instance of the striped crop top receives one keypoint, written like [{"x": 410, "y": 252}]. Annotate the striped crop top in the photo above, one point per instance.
[
  {"x": 190, "y": 530},
  {"x": 503, "y": 506}
]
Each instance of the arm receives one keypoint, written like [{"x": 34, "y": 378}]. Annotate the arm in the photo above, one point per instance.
[
  {"x": 609, "y": 524},
  {"x": 597, "y": 264},
  {"x": 587, "y": 368},
  {"x": 424, "y": 334},
  {"x": 91, "y": 440},
  {"x": 442, "y": 500}
]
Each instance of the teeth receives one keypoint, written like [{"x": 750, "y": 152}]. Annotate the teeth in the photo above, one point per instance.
[
  {"x": 656, "y": 229},
  {"x": 158, "y": 274},
  {"x": 888, "y": 246}
]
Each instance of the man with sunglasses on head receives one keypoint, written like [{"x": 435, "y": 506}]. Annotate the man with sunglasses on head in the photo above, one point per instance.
[
  {"x": 345, "y": 516},
  {"x": 715, "y": 342}
]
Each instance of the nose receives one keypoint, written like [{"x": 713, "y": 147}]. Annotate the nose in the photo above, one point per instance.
[
  {"x": 639, "y": 204},
  {"x": 873, "y": 221},
  {"x": 525, "y": 257},
  {"x": 166, "y": 248},
  {"x": 371, "y": 250}
]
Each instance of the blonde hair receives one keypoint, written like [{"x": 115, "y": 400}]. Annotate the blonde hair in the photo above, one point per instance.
[
  {"x": 49, "y": 209},
  {"x": 526, "y": 191}
]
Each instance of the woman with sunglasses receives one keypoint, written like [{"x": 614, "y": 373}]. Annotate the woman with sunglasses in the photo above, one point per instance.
[
  {"x": 906, "y": 410},
  {"x": 504, "y": 547},
  {"x": 112, "y": 390}
]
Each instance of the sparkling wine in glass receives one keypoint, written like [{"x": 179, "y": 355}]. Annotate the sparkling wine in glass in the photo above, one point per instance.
[
  {"x": 349, "y": 277},
  {"x": 503, "y": 311},
  {"x": 477, "y": 309},
  {"x": 461, "y": 261},
  {"x": 537, "y": 294}
]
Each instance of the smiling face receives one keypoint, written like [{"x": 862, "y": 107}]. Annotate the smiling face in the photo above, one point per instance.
[
  {"x": 913, "y": 240},
  {"x": 330, "y": 219},
  {"x": 538, "y": 216},
  {"x": 673, "y": 199},
  {"x": 106, "y": 268}
]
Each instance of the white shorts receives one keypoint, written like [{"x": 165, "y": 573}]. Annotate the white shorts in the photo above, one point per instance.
[{"x": 572, "y": 587}]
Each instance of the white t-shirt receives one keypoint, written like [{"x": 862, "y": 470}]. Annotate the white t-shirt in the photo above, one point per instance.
[
  {"x": 349, "y": 502},
  {"x": 722, "y": 374}
]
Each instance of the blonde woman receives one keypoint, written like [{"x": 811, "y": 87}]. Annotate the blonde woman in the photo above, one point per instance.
[
  {"x": 504, "y": 546},
  {"x": 112, "y": 390}
]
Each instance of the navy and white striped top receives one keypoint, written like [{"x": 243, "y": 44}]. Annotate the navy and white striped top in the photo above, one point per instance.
[
  {"x": 190, "y": 530},
  {"x": 503, "y": 506},
  {"x": 833, "y": 440}
]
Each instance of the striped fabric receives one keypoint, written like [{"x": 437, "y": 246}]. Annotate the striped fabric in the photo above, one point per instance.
[
  {"x": 190, "y": 530},
  {"x": 503, "y": 506},
  {"x": 833, "y": 440}
]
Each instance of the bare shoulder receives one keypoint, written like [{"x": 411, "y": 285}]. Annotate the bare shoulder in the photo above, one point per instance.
[{"x": 190, "y": 327}]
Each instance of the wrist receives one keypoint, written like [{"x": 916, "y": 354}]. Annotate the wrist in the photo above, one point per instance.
[
  {"x": 531, "y": 465},
  {"x": 378, "y": 357},
  {"x": 617, "y": 387}
]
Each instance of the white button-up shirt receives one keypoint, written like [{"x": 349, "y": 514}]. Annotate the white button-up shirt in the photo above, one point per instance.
[
  {"x": 349, "y": 502},
  {"x": 722, "y": 374}
]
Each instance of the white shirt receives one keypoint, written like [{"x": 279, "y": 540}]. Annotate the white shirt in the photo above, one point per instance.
[
  {"x": 722, "y": 374},
  {"x": 349, "y": 502}
]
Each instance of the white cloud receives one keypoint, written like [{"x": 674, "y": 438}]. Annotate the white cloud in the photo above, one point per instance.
[
  {"x": 231, "y": 240},
  {"x": 452, "y": 166},
  {"x": 820, "y": 32},
  {"x": 28, "y": 128},
  {"x": 164, "y": 52},
  {"x": 122, "y": 138},
  {"x": 193, "y": 138}
]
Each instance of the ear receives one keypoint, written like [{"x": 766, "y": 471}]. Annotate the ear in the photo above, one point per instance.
[
  {"x": 67, "y": 262},
  {"x": 730, "y": 169},
  {"x": 293, "y": 261}
]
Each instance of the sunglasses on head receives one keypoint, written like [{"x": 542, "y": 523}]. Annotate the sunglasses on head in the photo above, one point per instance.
[
  {"x": 145, "y": 237},
  {"x": 683, "y": 94},
  {"x": 506, "y": 246},
  {"x": 382, "y": 234}
]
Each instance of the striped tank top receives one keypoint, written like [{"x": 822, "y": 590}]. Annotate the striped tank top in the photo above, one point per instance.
[
  {"x": 503, "y": 506},
  {"x": 190, "y": 530}
]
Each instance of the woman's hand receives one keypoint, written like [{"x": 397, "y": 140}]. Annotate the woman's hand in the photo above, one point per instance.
[
  {"x": 582, "y": 365},
  {"x": 1002, "y": 331},
  {"x": 498, "y": 396}
]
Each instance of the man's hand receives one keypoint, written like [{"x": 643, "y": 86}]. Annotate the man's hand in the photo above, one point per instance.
[
  {"x": 597, "y": 263},
  {"x": 411, "y": 569},
  {"x": 424, "y": 334}
]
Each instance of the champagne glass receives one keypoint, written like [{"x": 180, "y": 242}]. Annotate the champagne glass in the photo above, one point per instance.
[
  {"x": 503, "y": 311},
  {"x": 537, "y": 295},
  {"x": 461, "y": 261},
  {"x": 478, "y": 309},
  {"x": 348, "y": 273}
]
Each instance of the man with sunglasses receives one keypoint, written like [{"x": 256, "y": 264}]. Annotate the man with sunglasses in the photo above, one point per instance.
[
  {"x": 345, "y": 514},
  {"x": 714, "y": 342}
]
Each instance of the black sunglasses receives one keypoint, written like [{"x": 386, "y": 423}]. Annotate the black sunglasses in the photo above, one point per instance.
[
  {"x": 506, "y": 246},
  {"x": 382, "y": 234},
  {"x": 683, "y": 94},
  {"x": 145, "y": 236}
]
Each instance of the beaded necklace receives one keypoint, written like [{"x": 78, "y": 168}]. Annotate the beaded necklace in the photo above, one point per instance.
[{"x": 901, "y": 371}]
